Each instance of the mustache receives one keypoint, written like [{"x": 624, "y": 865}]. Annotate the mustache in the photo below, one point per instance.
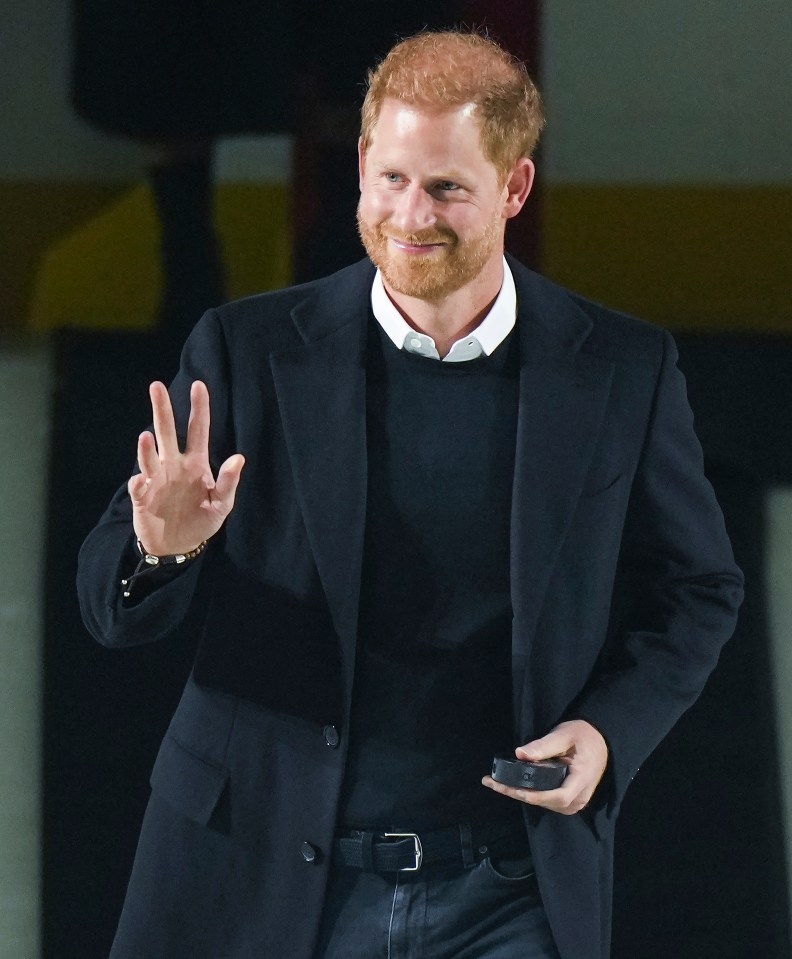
[{"x": 421, "y": 238}]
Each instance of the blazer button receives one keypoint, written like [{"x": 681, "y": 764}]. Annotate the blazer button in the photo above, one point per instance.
[
  {"x": 331, "y": 736},
  {"x": 308, "y": 852}
]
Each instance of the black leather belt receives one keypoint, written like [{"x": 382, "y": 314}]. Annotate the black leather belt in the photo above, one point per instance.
[{"x": 461, "y": 845}]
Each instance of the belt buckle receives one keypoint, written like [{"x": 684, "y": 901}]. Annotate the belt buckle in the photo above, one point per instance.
[{"x": 418, "y": 848}]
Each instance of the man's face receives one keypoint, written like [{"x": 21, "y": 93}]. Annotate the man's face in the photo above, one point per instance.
[{"x": 431, "y": 212}]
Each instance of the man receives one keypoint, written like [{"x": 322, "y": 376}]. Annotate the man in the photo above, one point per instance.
[{"x": 473, "y": 517}]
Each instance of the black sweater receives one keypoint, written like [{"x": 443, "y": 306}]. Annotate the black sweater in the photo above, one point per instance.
[{"x": 432, "y": 698}]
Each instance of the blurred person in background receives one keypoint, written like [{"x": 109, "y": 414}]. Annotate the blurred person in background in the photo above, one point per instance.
[{"x": 177, "y": 77}]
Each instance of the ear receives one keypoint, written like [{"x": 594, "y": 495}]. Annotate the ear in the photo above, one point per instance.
[
  {"x": 518, "y": 186},
  {"x": 361, "y": 162}
]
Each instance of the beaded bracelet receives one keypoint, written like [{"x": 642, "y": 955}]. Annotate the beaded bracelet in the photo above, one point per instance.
[{"x": 148, "y": 562}]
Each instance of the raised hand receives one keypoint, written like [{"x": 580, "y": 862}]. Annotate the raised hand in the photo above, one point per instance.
[
  {"x": 583, "y": 749},
  {"x": 176, "y": 501}
]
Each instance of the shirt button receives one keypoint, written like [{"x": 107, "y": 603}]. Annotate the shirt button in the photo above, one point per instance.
[
  {"x": 331, "y": 736},
  {"x": 308, "y": 852},
  {"x": 415, "y": 344}
]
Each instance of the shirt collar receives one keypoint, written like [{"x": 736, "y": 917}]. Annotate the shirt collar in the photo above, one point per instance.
[{"x": 489, "y": 334}]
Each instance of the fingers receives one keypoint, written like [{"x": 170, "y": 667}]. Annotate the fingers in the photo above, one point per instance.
[
  {"x": 182, "y": 484},
  {"x": 582, "y": 748},
  {"x": 566, "y": 800},
  {"x": 136, "y": 487},
  {"x": 227, "y": 481},
  {"x": 147, "y": 456},
  {"x": 198, "y": 425},
  {"x": 555, "y": 743},
  {"x": 164, "y": 424},
  {"x": 570, "y": 738}
]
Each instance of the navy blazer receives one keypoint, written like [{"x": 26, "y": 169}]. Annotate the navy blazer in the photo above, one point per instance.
[{"x": 623, "y": 588}]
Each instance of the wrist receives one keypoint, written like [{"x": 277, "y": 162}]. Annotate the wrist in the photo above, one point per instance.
[
  {"x": 150, "y": 561},
  {"x": 168, "y": 559}
]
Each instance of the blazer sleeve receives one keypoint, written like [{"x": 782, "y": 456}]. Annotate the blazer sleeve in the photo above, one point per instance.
[
  {"x": 677, "y": 592},
  {"x": 108, "y": 554}
]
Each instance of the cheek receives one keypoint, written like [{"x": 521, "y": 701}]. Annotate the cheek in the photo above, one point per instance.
[
  {"x": 374, "y": 206},
  {"x": 463, "y": 221}
]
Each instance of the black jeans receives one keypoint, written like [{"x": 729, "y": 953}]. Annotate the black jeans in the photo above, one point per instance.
[{"x": 488, "y": 911}]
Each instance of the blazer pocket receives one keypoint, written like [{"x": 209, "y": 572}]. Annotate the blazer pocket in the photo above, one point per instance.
[{"x": 189, "y": 783}]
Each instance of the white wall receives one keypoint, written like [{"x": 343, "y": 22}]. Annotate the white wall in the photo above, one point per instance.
[
  {"x": 671, "y": 92},
  {"x": 778, "y": 528},
  {"x": 25, "y": 386},
  {"x": 40, "y": 137}
]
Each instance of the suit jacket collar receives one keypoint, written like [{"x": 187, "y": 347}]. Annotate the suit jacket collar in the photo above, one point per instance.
[
  {"x": 549, "y": 319},
  {"x": 336, "y": 303},
  {"x": 564, "y": 392}
]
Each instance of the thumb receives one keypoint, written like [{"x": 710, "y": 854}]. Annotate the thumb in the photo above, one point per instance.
[{"x": 554, "y": 744}]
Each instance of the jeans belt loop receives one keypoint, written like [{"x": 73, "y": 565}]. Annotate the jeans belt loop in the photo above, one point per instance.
[{"x": 466, "y": 842}]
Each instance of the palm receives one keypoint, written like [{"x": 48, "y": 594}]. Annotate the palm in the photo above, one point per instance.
[{"x": 176, "y": 501}]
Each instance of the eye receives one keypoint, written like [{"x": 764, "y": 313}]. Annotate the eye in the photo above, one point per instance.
[
  {"x": 446, "y": 186},
  {"x": 391, "y": 177}
]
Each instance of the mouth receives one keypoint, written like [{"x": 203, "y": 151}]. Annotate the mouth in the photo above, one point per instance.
[{"x": 415, "y": 249}]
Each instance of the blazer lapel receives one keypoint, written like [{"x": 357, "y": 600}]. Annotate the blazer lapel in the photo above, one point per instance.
[
  {"x": 321, "y": 392},
  {"x": 563, "y": 396},
  {"x": 321, "y": 389}
]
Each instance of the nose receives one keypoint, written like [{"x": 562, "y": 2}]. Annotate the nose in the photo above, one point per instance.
[{"x": 414, "y": 211}]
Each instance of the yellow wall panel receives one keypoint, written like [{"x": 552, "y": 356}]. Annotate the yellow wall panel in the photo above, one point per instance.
[
  {"x": 690, "y": 258},
  {"x": 105, "y": 274},
  {"x": 35, "y": 214}
]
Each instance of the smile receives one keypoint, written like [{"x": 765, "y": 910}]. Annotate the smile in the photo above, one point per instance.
[{"x": 415, "y": 248}]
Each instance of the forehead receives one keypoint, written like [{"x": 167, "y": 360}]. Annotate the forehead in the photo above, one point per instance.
[{"x": 407, "y": 130}]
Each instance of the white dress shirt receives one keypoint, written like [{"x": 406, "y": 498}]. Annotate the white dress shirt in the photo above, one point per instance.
[{"x": 488, "y": 335}]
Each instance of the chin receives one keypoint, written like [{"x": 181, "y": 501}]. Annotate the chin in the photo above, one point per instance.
[
  {"x": 427, "y": 277},
  {"x": 428, "y": 284}
]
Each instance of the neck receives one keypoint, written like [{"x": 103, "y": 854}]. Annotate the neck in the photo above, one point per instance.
[{"x": 448, "y": 319}]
